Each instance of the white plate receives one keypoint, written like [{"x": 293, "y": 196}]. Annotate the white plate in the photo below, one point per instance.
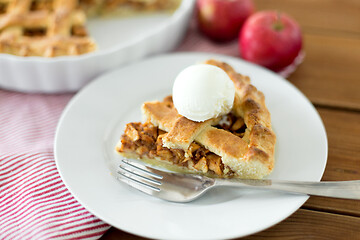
[
  {"x": 93, "y": 122},
  {"x": 120, "y": 41}
]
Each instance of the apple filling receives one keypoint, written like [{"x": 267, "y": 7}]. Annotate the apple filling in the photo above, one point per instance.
[{"x": 145, "y": 140}]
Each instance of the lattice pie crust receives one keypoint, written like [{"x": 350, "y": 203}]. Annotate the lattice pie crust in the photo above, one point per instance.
[
  {"x": 240, "y": 144},
  {"x": 51, "y": 28}
]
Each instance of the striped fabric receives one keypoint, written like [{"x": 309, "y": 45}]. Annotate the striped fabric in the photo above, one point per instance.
[
  {"x": 34, "y": 203},
  {"x": 194, "y": 41}
]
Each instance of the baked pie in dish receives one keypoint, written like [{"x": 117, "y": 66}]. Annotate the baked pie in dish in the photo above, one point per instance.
[
  {"x": 51, "y": 28},
  {"x": 238, "y": 144}
]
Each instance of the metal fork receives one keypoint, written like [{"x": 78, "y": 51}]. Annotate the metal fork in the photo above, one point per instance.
[{"x": 178, "y": 187}]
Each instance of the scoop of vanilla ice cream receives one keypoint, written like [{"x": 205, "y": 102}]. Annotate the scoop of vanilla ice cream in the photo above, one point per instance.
[{"x": 203, "y": 91}]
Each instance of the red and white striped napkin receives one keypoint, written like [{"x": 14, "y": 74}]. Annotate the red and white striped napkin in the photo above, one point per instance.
[{"x": 34, "y": 202}]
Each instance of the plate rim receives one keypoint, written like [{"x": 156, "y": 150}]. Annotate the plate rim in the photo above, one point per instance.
[{"x": 300, "y": 201}]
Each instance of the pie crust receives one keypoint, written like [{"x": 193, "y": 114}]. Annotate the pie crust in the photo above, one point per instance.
[
  {"x": 240, "y": 144},
  {"x": 51, "y": 28}
]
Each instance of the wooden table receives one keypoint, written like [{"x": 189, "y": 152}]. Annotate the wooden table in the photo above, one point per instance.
[{"x": 330, "y": 78}]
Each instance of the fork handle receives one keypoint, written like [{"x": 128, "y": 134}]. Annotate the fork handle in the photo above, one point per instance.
[{"x": 338, "y": 189}]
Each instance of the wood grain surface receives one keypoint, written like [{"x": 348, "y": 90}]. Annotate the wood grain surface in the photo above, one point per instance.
[
  {"x": 330, "y": 78},
  {"x": 306, "y": 224},
  {"x": 331, "y": 16},
  {"x": 329, "y": 75}
]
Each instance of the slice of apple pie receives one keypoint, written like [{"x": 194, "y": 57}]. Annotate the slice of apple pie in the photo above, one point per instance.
[{"x": 239, "y": 144}]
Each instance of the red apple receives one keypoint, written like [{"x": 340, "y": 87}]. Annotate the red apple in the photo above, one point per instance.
[
  {"x": 221, "y": 20},
  {"x": 270, "y": 39}
]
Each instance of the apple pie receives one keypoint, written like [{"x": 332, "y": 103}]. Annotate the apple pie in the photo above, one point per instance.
[
  {"x": 239, "y": 144},
  {"x": 51, "y": 28}
]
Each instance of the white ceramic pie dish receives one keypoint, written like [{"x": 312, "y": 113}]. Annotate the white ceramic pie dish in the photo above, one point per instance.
[{"x": 120, "y": 41}]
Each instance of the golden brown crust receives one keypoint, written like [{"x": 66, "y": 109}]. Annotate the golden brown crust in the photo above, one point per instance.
[
  {"x": 248, "y": 154},
  {"x": 47, "y": 32},
  {"x": 222, "y": 142},
  {"x": 127, "y": 7},
  {"x": 184, "y": 132},
  {"x": 250, "y": 104},
  {"x": 162, "y": 114},
  {"x": 51, "y": 28}
]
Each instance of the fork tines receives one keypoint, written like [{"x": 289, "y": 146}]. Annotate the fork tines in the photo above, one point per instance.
[{"x": 141, "y": 177}]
